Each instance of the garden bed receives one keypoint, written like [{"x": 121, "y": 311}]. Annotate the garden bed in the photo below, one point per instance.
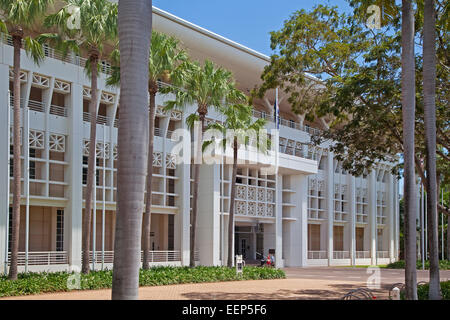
[{"x": 35, "y": 283}]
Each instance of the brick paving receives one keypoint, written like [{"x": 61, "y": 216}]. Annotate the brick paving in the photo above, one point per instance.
[{"x": 301, "y": 283}]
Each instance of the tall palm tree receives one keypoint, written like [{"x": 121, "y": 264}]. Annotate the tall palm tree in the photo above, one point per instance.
[
  {"x": 20, "y": 14},
  {"x": 408, "y": 111},
  {"x": 206, "y": 86},
  {"x": 135, "y": 26},
  {"x": 239, "y": 119},
  {"x": 429, "y": 96},
  {"x": 166, "y": 60},
  {"x": 98, "y": 25}
]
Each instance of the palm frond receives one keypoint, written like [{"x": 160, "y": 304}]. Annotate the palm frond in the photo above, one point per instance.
[{"x": 34, "y": 49}]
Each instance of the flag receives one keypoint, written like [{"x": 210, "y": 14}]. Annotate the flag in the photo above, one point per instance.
[{"x": 276, "y": 114}]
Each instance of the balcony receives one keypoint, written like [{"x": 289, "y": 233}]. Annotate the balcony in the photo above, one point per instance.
[
  {"x": 71, "y": 58},
  {"x": 40, "y": 107},
  {"x": 41, "y": 258},
  {"x": 341, "y": 255},
  {"x": 316, "y": 255},
  {"x": 362, "y": 255},
  {"x": 383, "y": 254}
]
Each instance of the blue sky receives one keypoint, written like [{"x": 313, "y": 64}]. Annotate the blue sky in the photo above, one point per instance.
[{"x": 247, "y": 22}]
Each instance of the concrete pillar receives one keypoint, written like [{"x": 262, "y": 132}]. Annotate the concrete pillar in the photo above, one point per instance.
[
  {"x": 391, "y": 214},
  {"x": 279, "y": 221},
  {"x": 4, "y": 163},
  {"x": 208, "y": 215},
  {"x": 330, "y": 204},
  {"x": 297, "y": 248},
  {"x": 74, "y": 152},
  {"x": 352, "y": 214},
  {"x": 372, "y": 190},
  {"x": 182, "y": 218}
]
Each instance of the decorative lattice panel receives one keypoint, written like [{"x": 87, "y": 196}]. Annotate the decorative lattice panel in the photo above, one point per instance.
[
  {"x": 40, "y": 81},
  {"x": 252, "y": 208},
  {"x": 57, "y": 142},
  {"x": 261, "y": 194},
  {"x": 171, "y": 161},
  {"x": 36, "y": 139},
  {"x": 241, "y": 192},
  {"x": 62, "y": 86},
  {"x": 241, "y": 208},
  {"x": 261, "y": 209},
  {"x": 157, "y": 159},
  {"x": 270, "y": 196},
  {"x": 251, "y": 193}
]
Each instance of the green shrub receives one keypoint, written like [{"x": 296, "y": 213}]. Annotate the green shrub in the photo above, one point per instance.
[
  {"x": 422, "y": 291},
  {"x": 34, "y": 283},
  {"x": 443, "y": 265}
]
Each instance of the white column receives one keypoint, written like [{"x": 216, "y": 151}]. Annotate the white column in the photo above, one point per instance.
[
  {"x": 279, "y": 221},
  {"x": 4, "y": 164},
  {"x": 25, "y": 95},
  {"x": 372, "y": 190},
  {"x": 391, "y": 214},
  {"x": 397, "y": 219},
  {"x": 297, "y": 250},
  {"x": 208, "y": 215},
  {"x": 74, "y": 153},
  {"x": 352, "y": 212},
  {"x": 330, "y": 204},
  {"x": 182, "y": 218}
]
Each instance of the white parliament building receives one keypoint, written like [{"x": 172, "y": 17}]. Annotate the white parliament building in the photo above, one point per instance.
[{"x": 310, "y": 212}]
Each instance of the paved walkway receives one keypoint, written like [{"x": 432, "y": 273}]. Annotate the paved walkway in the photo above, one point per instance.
[{"x": 301, "y": 283}]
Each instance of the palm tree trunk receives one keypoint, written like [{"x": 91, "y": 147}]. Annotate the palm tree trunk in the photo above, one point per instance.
[
  {"x": 195, "y": 191},
  {"x": 148, "y": 199},
  {"x": 135, "y": 27},
  {"x": 91, "y": 163},
  {"x": 429, "y": 95},
  {"x": 17, "y": 43},
  {"x": 408, "y": 110},
  {"x": 448, "y": 238},
  {"x": 232, "y": 197}
]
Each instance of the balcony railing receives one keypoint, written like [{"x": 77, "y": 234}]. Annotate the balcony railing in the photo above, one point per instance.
[
  {"x": 103, "y": 120},
  {"x": 362, "y": 255},
  {"x": 341, "y": 255},
  {"x": 317, "y": 255},
  {"x": 383, "y": 254},
  {"x": 41, "y": 258},
  {"x": 58, "y": 111},
  {"x": 155, "y": 256},
  {"x": 58, "y": 55}
]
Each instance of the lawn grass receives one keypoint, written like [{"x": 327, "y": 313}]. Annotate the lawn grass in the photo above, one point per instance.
[{"x": 36, "y": 283}]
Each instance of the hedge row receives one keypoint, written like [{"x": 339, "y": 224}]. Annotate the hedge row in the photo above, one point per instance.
[
  {"x": 443, "y": 265},
  {"x": 35, "y": 283}
]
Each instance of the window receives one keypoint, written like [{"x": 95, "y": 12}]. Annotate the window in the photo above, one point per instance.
[
  {"x": 32, "y": 164},
  {"x": 171, "y": 232},
  {"x": 313, "y": 237},
  {"x": 85, "y": 171},
  {"x": 338, "y": 238},
  {"x": 10, "y": 229},
  {"x": 60, "y": 230},
  {"x": 11, "y": 161}
]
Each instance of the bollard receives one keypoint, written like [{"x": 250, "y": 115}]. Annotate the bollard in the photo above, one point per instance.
[
  {"x": 396, "y": 294},
  {"x": 239, "y": 264}
]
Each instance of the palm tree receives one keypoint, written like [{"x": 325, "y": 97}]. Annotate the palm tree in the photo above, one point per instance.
[
  {"x": 165, "y": 61},
  {"x": 429, "y": 95},
  {"x": 135, "y": 26},
  {"x": 98, "y": 25},
  {"x": 20, "y": 14},
  {"x": 239, "y": 121},
  {"x": 207, "y": 86},
  {"x": 408, "y": 110}
]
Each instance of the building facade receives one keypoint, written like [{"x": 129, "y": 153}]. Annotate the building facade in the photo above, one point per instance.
[{"x": 309, "y": 211}]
